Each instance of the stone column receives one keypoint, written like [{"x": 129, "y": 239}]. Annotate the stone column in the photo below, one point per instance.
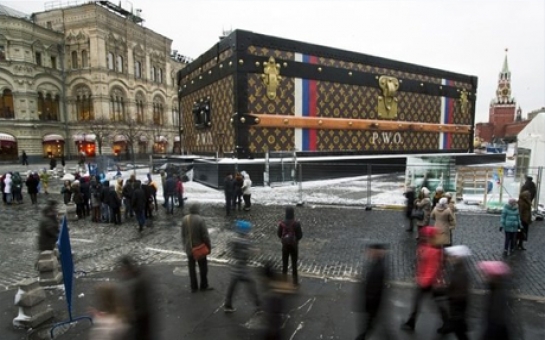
[
  {"x": 33, "y": 309},
  {"x": 48, "y": 266}
]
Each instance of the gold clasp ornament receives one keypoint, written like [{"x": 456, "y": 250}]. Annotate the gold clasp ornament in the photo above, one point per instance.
[
  {"x": 463, "y": 102},
  {"x": 271, "y": 77},
  {"x": 387, "y": 103}
]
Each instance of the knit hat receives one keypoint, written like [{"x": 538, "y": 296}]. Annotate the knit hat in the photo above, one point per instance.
[
  {"x": 439, "y": 189},
  {"x": 494, "y": 268},
  {"x": 458, "y": 251},
  {"x": 443, "y": 201},
  {"x": 425, "y": 191},
  {"x": 512, "y": 201}
]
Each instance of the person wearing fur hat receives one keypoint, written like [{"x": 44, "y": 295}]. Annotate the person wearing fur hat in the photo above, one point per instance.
[
  {"x": 438, "y": 195},
  {"x": 428, "y": 271},
  {"x": 457, "y": 292},
  {"x": 242, "y": 249},
  {"x": 423, "y": 203},
  {"x": 510, "y": 223},
  {"x": 444, "y": 222}
]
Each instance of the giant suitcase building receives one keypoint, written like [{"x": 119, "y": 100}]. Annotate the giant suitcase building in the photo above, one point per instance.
[{"x": 253, "y": 93}]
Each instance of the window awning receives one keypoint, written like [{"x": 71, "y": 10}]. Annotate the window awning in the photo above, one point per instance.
[
  {"x": 53, "y": 138},
  {"x": 160, "y": 139},
  {"x": 84, "y": 137},
  {"x": 7, "y": 138},
  {"x": 120, "y": 138}
]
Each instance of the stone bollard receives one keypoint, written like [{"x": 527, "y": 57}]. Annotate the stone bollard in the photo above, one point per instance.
[
  {"x": 33, "y": 310},
  {"x": 70, "y": 212},
  {"x": 48, "y": 266}
]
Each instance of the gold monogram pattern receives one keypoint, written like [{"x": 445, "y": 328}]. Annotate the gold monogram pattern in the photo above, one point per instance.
[
  {"x": 221, "y": 135},
  {"x": 267, "y": 52}
]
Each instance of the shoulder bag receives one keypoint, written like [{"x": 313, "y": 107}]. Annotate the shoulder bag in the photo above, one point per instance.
[{"x": 199, "y": 251}]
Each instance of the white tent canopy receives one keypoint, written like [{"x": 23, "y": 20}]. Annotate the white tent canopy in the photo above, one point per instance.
[{"x": 532, "y": 137}]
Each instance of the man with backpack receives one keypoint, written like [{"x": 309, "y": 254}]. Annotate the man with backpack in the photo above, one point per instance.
[{"x": 290, "y": 233}]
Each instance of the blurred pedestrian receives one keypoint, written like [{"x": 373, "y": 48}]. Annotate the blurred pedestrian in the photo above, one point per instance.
[
  {"x": 240, "y": 272},
  {"x": 96, "y": 188},
  {"x": 32, "y": 183},
  {"x": 149, "y": 191},
  {"x": 423, "y": 204},
  {"x": 444, "y": 222},
  {"x": 49, "y": 227},
  {"x": 439, "y": 191},
  {"x": 66, "y": 192},
  {"x": 17, "y": 188},
  {"x": 138, "y": 205},
  {"x": 428, "y": 272},
  {"x": 24, "y": 158},
  {"x": 510, "y": 223},
  {"x": 371, "y": 291},
  {"x": 410, "y": 197},
  {"x": 170, "y": 191},
  {"x": 228, "y": 190},
  {"x": 8, "y": 187},
  {"x": 497, "y": 319},
  {"x": 525, "y": 211},
  {"x": 290, "y": 233},
  {"x": 52, "y": 163},
  {"x": 530, "y": 186},
  {"x": 85, "y": 188},
  {"x": 195, "y": 234},
  {"x": 44, "y": 180},
  {"x": 451, "y": 203},
  {"x": 104, "y": 199},
  {"x": 63, "y": 162},
  {"x": 110, "y": 315},
  {"x": 139, "y": 292},
  {"x": 180, "y": 192},
  {"x": 77, "y": 198},
  {"x": 457, "y": 292},
  {"x": 247, "y": 191},
  {"x": 237, "y": 191},
  {"x": 114, "y": 203},
  {"x": 276, "y": 292}
]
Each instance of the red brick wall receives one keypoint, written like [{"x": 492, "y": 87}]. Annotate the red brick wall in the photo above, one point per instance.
[
  {"x": 514, "y": 128},
  {"x": 484, "y": 131}
]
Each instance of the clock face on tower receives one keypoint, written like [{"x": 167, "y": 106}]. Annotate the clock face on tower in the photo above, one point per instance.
[{"x": 505, "y": 92}]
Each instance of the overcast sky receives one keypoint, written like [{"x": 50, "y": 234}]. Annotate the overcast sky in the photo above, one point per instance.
[{"x": 465, "y": 36}]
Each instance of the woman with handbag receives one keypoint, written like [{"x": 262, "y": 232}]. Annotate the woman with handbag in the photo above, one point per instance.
[
  {"x": 525, "y": 211},
  {"x": 444, "y": 222},
  {"x": 197, "y": 245}
]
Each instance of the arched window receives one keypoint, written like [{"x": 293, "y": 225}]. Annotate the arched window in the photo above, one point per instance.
[
  {"x": 158, "y": 112},
  {"x": 84, "y": 59},
  {"x": 74, "y": 59},
  {"x": 84, "y": 104},
  {"x": 160, "y": 76},
  {"x": 117, "y": 106},
  {"x": 6, "y": 105},
  {"x": 110, "y": 61},
  {"x": 137, "y": 70},
  {"x": 152, "y": 73},
  {"x": 41, "y": 106},
  {"x": 140, "y": 108},
  {"x": 119, "y": 63},
  {"x": 175, "y": 114}
]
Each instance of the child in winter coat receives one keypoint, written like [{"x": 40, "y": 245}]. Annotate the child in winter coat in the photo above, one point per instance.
[{"x": 510, "y": 223}]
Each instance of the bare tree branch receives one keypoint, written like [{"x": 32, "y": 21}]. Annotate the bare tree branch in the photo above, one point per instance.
[
  {"x": 133, "y": 132},
  {"x": 103, "y": 129}
]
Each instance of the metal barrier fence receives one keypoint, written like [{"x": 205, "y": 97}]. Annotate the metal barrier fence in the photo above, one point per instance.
[{"x": 369, "y": 185}]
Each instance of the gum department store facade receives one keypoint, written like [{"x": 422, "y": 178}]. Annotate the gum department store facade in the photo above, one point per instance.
[{"x": 65, "y": 69}]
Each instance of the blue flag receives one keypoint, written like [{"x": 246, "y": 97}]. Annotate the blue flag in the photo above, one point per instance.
[{"x": 67, "y": 262}]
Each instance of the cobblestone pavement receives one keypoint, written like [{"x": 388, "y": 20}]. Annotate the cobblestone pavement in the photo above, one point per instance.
[{"x": 332, "y": 246}]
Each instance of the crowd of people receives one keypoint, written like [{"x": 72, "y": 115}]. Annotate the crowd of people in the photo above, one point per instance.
[{"x": 14, "y": 186}]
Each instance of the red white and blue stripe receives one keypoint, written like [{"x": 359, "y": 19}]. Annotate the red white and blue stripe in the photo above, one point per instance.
[
  {"x": 305, "y": 106},
  {"x": 447, "y": 117}
]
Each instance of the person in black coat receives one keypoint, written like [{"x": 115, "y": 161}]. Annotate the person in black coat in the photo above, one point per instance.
[
  {"x": 104, "y": 199},
  {"x": 410, "y": 195},
  {"x": 85, "y": 188},
  {"x": 49, "y": 227},
  {"x": 290, "y": 233},
  {"x": 530, "y": 186},
  {"x": 229, "y": 191},
  {"x": 138, "y": 204},
  {"x": 149, "y": 192},
  {"x": 115, "y": 205},
  {"x": 52, "y": 163},
  {"x": 372, "y": 289},
  {"x": 497, "y": 318},
  {"x": 457, "y": 292},
  {"x": 32, "y": 183}
]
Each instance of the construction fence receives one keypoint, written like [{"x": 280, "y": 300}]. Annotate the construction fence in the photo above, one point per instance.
[{"x": 372, "y": 185}]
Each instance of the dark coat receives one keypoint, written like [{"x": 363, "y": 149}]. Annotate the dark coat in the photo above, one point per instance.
[
  {"x": 138, "y": 200},
  {"x": 458, "y": 291},
  {"x": 113, "y": 200},
  {"x": 530, "y": 186},
  {"x": 525, "y": 207},
  {"x": 496, "y": 317},
  {"x": 77, "y": 196},
  {"x": 85, "y": 188},
  {"x": 237, "y": 184},
  {"x": 228, "y": 186},
  {"x": 199, "y": 231},
  {"x": 32, "y": 184},
  {"x": 49, "y": 232},
  {"x": 411, "y": 196},
  {"x": 66, "y": 194},
  {"x": 372, "y": 289},
  {"x": 170, "y": 186},
  {"x": 103, "y": 194}
]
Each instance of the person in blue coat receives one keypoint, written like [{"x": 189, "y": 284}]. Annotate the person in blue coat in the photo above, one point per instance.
[{"x": 510, "y": 223}]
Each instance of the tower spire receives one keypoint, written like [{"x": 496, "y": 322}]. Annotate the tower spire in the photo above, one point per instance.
[{"x": 505, "y": 68}]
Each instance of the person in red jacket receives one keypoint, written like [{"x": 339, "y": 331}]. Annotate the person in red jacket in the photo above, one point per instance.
[{"x": 428, "y": 270}]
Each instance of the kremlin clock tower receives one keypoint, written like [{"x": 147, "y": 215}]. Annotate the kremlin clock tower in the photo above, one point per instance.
[{"x": 503, "y": 107}]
